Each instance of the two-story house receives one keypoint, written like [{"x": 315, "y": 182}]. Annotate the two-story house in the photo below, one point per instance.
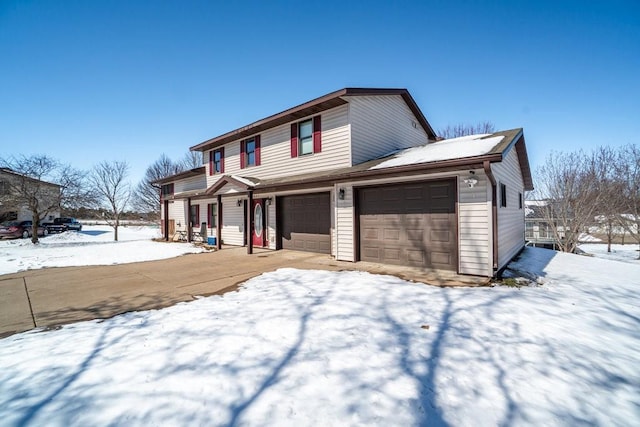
[
  {"x": 358, "y": 174},
  {"x": 18, "y": 190}
]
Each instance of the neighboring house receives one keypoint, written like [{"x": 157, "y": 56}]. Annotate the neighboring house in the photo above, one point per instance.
[
  {"x": 358, "y": 174},
  {"x": 11, "y": 208}
]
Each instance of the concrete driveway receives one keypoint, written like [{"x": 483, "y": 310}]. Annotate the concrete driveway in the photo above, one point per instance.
[{"x": 56, "y": 296}]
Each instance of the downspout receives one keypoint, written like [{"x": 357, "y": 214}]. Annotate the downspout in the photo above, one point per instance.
[
  {"x": 494, "y": 212},
  {"x": 249, "y": 227}
]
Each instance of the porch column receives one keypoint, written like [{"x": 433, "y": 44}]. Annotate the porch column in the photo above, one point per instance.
[
  {"x": 188, "y": 221},
  {"x": 249, "y": 226},
  {"x": 219, "y": 223},
  {"x": 165, "y": 230}
]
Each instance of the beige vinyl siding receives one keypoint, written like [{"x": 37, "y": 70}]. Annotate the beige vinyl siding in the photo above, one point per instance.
[
  {"x": 474, "y": 226},
  {"x": 381, "y": 124},
  {"x": 511, "y": 218},
  {"x": 344, "y": 224},
  {"x": 189, "y": 184},
  {"x": 275, "y": 151},
  {"x": 232, "y": 222},
  {"x": 177, "y": 212}
]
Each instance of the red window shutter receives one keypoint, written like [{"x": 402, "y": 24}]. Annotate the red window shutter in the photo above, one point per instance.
[
  {"x": 294, "y": 140},
  {"x": 257, "y": 154},
  {"x": 221, "y": 159},
  {"x": 317, "y": 135},
  {"x": 243, "y": 155},
  {"x": 211, "y": 162},
  {"x": 208, "y": 215}
]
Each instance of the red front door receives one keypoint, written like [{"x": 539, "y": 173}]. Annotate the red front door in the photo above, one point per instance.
[{"x": 259, "y": 223}]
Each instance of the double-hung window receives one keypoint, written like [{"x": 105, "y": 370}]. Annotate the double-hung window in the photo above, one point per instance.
[
  {"x": 167, "y": 190},
  {"x": 306, "y": 137},
  {"x": 250, "y": 152},
  {"x": 212, "y": 213},
  {"x": 216, "y": 161},
  {"x": 194, "y": 215}
]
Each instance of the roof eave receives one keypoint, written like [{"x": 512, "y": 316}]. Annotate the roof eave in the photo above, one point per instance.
[
  {"x": 431, "y": 167},
  {"x": 181, "y": 175}
]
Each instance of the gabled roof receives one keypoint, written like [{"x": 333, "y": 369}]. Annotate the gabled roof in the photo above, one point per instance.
[{"x": 315, "y": 106}]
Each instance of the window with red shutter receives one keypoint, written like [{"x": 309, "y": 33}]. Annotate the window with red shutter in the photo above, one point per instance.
[
  {"x": 294, "y": 140},
  {"x": 306, "y": 137},
  {"x": 317, "y": 135},
  {"x": 216, "y": 161},
  {"x": 257, "y": 150},
  {"x": 243, "y": 154}
]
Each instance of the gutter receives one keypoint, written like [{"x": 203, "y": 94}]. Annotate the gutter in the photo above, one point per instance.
[{"x": 494, "y": 212}]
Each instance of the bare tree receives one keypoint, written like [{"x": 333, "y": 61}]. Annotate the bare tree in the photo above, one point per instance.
[
  {"x": 627, "y": 167},
  {"x": 461, "y": 129},
  {"x": 192, "y": 160},
  {"x": 571, "y": 184},
  {"x": 147, "y": 194},
  {"x": 43, "y": 185},
  {"x": 112, "y": 190},
  {"x": 609, "y": 201}
]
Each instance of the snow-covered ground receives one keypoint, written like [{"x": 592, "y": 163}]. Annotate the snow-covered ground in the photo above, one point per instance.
[
  {"x": 324, "y": 348},
  {"x": 626, "y": 253},
  {"x": 93, "y": 245}
]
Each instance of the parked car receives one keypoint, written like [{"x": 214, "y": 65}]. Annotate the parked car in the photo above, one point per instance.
[
  {"x": 63, "y": 224},
  {"x": 15, "y": 229}
]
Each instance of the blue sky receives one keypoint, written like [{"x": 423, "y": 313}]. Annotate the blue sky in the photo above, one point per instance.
[{"x": 85, "y": 81}]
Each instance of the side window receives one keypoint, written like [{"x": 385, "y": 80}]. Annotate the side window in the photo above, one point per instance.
[
  {"x": 503, "y": 195},
  {"x": 519, "y": 200}
]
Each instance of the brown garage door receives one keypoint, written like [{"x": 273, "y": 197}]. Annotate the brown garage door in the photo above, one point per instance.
[
  {"x": 409, "y": 224},
  {"x": 306, "y": 222}
]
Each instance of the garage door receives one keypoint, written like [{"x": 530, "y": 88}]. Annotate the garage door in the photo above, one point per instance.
[
  {"x": 409, "y": 224},
  {"x": 306, "y": 222}
]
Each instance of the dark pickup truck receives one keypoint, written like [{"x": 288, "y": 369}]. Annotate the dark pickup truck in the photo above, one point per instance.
[{"x": 63, "y": 224}]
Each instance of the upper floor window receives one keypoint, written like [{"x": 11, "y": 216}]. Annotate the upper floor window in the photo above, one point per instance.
[
  {"x": 167, "y": 190},
  {"x": 216, "y": 161},
  {"x": 250, "y": 152},
  {"x": 306, "y": 137}
]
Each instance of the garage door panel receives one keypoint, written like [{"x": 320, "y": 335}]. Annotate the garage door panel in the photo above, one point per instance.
[
  {"x": 391, "y": 254},
  {"x": 415, "y": 235},
  {"x": 306, "y": 222},
  {"x": 409, "y": 224},
  {"x": 392, "y": 234}
]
